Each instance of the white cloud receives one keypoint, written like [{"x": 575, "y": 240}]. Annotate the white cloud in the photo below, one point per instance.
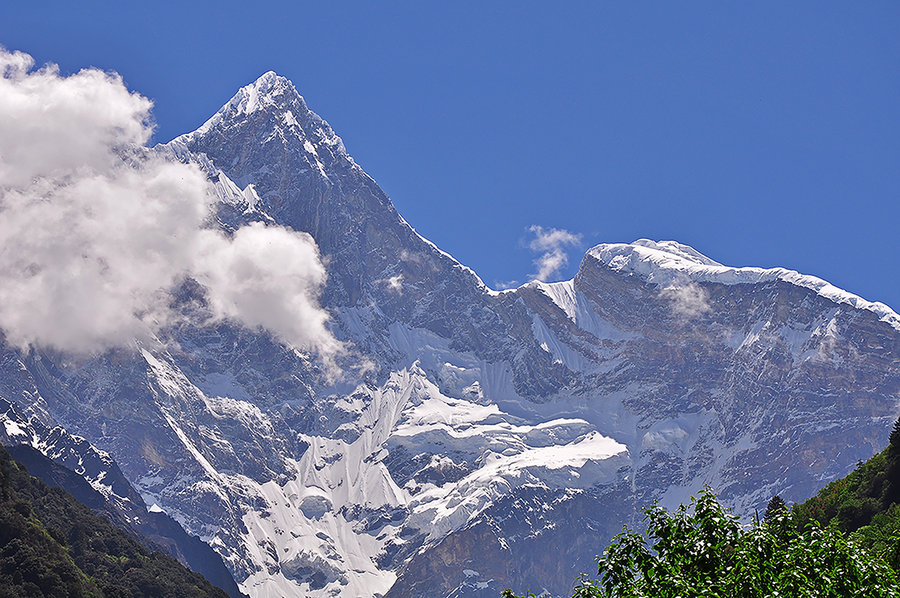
[
  {"x": 95, "y": 229},
  {"x": 687, "y": 298},
  {"x": 392, "y": 283},
  {"x": 550, "y": 243},
  {"x": 503, "y": 285},
  {"x": 266, "y": 277},
  {"x": 54, "y": 126},
  {"x": 395, "y": 283},
  {"x": 415, "y": 258}
]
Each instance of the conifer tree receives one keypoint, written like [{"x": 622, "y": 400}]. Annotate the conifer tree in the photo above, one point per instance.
[
  {"x": 895, "y": 438},
  {"x": 775, "y": 508},
  {"x": 893, "y": 466}
]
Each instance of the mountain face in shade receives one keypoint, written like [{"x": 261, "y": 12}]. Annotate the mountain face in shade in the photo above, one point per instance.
[
  {"x": 477, "y": 439},
  {"x": 64, "y": 461},
  {"x": 52, "y": 545}
]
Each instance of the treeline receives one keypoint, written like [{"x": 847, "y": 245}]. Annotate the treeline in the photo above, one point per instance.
[
  {"x": 52, "y": 545},
  {"x": 843, "y": 542},
  {"x": 865, "y": 504}
]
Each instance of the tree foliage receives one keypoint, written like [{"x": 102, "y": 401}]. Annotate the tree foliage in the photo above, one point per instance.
[
  {"x": 894, "y": 441},
  {"x": 704, "y": 551},
  {"x": 843, "y": 542},
  {"x": 865, "y": 504},
  {"x": 775, "y": 509}
]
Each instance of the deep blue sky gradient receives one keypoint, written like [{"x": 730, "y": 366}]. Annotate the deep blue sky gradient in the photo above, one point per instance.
[{"x": 760, "y": 133}]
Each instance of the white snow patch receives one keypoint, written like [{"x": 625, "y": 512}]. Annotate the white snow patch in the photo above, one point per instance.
[
  {"x": 289, "y": 119},
  {"x": 13, "y": 429},
  {"x": 449, "y": 507}
]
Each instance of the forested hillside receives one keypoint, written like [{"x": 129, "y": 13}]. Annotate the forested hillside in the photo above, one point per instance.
[
  {"x": 52, "y": 545},
  {"x": 865, "y": 504}
]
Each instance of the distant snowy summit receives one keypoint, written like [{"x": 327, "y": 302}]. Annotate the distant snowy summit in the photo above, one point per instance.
[
  {"x": 667, "y": 263},
  {"x": 274, "y": 95}
]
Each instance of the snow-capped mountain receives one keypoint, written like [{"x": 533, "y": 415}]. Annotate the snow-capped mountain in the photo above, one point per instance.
[{"x": 477, "y": 439}]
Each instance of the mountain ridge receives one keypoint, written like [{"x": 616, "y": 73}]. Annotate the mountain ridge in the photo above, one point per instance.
[
  {"x": 269, "y": 86},
  {"x": 481, "y": 421},
  {"x": 659, "y": 263}
]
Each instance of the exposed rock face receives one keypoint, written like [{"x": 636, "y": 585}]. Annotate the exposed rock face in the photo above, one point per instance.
[{"x": 498, "y": 438}]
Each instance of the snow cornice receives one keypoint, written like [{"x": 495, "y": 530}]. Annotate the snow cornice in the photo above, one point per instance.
[{"x": 669, "y": 263}]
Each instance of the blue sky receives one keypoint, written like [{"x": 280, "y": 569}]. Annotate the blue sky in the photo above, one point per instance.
[{"x": 761, "y": 134}]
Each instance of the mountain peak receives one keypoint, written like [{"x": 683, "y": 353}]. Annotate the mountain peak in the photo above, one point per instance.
[
  {"x": 270, "y": 86},
  {"x": 270, "y": 93},
  {"x": 268, "y": 77},
  {"x": 268, "y": 109}
]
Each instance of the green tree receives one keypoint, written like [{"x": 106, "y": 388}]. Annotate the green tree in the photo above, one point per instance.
[
  {"x": 894, "y": 444},
  {"x": 776, "y": 508},
  {"x": 704, "y": 551}
]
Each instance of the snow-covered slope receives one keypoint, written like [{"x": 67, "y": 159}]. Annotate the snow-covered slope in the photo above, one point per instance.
[{"x": 476, "y": 439}]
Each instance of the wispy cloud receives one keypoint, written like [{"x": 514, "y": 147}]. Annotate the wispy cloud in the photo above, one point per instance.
[
  {"x": 393, "y": 283},
  {"x": 551, "y": 244},
  {"x": 502, "y": 285},
  {"x": 96, "y": 229},
  {"x": 687, "y": 298}
]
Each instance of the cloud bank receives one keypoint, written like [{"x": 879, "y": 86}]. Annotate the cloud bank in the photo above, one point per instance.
[
  {"x": 96, "y": 230},
  {"x": 551, "y": 243}
]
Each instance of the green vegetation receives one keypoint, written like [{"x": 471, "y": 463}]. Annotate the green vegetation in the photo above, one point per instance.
[
  {"x": 865, "y": 504},
  {"x": 705, "y": 551},
  {"x": 843, "y": 542},
  {"x": 52, "y": 545}
]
